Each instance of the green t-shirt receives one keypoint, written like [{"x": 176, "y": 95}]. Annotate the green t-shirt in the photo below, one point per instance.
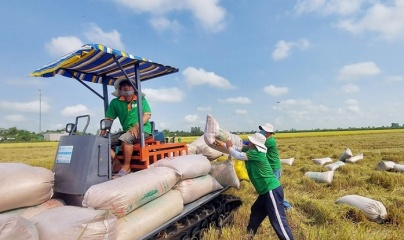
[
  {"x": 127, "y": 113},
  {"x": 272, "y": 153},
  {"x": 260, "y": 172}
]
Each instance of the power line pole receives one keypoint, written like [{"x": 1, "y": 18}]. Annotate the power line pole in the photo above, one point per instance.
[{"x": 40, "y": 109}]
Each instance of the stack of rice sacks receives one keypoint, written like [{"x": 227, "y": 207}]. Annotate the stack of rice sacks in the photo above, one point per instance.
[
  {"x": 141, "y": 201},
  {"x": 28, "y": 212}
]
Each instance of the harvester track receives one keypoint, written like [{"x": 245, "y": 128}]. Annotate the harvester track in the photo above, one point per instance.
[{"x": 217, "y": 212}]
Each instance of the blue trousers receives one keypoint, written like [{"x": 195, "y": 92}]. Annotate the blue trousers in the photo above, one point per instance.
[
  {"x": 270, "y": 204},
  {"x": 278, "y": 174}
]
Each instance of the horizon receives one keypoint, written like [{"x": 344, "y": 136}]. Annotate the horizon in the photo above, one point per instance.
[{"x": 300, "y": 64}]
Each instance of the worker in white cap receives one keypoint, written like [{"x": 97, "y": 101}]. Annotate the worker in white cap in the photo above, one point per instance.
[{"x": 272, "y": 154}]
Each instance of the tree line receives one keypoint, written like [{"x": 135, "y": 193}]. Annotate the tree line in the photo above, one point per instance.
[{"x": 17, "y": 135}]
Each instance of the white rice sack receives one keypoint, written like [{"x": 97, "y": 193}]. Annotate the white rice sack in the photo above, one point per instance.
[
  {"x": 124, "y": 194},
  {"x": 355, "y": 158},
  {"x": 29, "y": 212},
  {"x": 334, "y": 166},
  {"x": 214, "y": 131},
  {"x": 374, "y": 210},
  {"x": 225, "y": 174},
  {"x": 199, "y": 141},
  {"x": 210, "y": 153},
  {"x": 205, "y": 150},
  {"x": 15, "y": 227},
  {"x": 399, "y": 167},
  {"x": 192, "y": 148},
  {"x": 72, "y": 223},
  {"x": 23, "y": 185},
  {"x": 288, "y": 161},
  {"x": 188, "y": 166},
  {"x": 346, "y": 154},
  {"x": 194, "y": 188},
  {"x": 385, "y": 165},
  {"x": 322, "y": 161},
  {"x": 323, "y": 177},
  {"x": 150, "y": 216}
]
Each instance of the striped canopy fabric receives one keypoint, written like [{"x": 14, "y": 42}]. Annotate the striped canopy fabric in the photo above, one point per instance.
[{"x": 97, "y": 63}]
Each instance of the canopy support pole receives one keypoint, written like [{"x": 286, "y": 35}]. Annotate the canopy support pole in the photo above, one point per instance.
[
  {"x": 85, "y": 85},
  {"x": 139, "y": 104}
]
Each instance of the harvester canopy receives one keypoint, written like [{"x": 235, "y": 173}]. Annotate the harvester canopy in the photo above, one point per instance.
[{"x": 100, "y": 64}]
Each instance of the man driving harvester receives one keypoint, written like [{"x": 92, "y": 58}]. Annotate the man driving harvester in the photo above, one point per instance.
[{"x": 125, "y": 107}]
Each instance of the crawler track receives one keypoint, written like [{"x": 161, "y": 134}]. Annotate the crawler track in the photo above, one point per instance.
[{"x": 217, "y": 212}]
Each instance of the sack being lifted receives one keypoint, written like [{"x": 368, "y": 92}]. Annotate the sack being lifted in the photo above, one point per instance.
[{"x": 214, "y": 131}]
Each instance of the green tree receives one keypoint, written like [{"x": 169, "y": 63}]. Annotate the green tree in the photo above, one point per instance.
[{"x": 196, "y": 131}]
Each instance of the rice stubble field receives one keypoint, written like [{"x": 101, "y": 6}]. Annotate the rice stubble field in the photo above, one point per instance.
[{"x": 314, "y": 215}]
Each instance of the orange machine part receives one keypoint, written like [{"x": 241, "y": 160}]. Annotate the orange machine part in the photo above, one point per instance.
[{"x": 152, "y": 152}]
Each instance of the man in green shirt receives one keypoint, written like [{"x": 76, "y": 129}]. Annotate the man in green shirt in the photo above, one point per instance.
[
  {"x": 272, "y": 154},
  {"x": 125, "y": 107},
  {"x": 270, "y": 199}
]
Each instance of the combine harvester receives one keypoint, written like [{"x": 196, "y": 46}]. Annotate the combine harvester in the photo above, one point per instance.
[{"x": 84, "y": 160}]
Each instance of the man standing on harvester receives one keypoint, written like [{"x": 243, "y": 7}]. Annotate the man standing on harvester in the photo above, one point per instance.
[{"x": 125, "y": 107}]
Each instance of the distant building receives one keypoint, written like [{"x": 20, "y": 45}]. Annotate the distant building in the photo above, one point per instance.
[
  {"x": 49, "y": 136},
  {"x": 395, "y": 125}
]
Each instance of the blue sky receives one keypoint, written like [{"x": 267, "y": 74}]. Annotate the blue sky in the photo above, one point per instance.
[{"x": 303, "y": 64}]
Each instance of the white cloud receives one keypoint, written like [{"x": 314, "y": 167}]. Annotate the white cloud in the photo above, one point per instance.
[
  {"x": 63, "y": 45},
  {"x": 359, "y": 16},
  {"x": 385, "y": 20},
  {"x": 156, "y": 6},
  {"x": 358, "y": 70},
  {"x": 74, "y": 111},
  {"x": 241, "y": 111},
  {"x": 301, "y": 110},
  {"x": 162, "y": 24},
  {"x": 283, "y": 48},
  {"x": 193, "y": 76},
  {"x": 354, "y": 109},
  {"x": 209, "y": 14},
  {"x": 350, "y": 88},
  {"x": 191, "y": 118},
  {"x": 351, "y": 102},
  {"x": 32, "y": 106},
  {"x": 238, "y": 100},
  {"x": 328, "y": 7},
  {"x": 395, "y": 79},
  {"x": 275, "y": 91},
  {"x": 164, "y": 94},
  {"x": 111, "y": 39},
  {"x": 352, "y": 105},
  {"x": 15, "y": 118}
]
